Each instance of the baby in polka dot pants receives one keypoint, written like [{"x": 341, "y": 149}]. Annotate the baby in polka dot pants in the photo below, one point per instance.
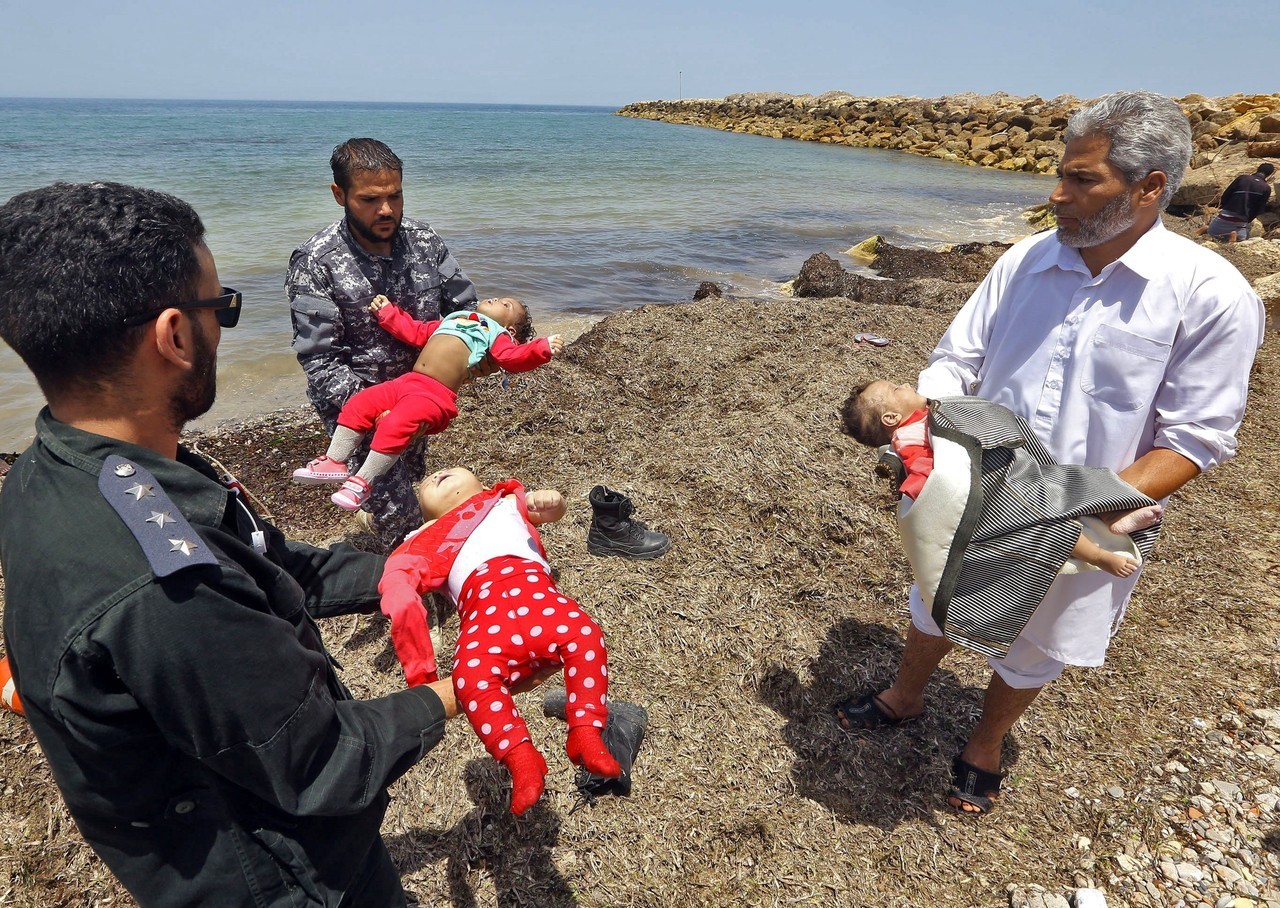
[{"x": 516, "y": 625}]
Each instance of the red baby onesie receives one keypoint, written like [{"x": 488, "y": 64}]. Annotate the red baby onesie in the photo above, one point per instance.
[
  {"x": 514, "y": 620},
  {"x": 911, "y": 443}
]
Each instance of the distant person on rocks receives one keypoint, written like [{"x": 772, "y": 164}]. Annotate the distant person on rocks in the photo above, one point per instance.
[
  {"x": 1122, "y": 346},
  {"x": 423, "y": 401},
  {"x": 482, "y": 547},
  {"x": 1242, "y": 201},
  {"x": 160, "y": 632},
  {"x": 374, "y": 250}
]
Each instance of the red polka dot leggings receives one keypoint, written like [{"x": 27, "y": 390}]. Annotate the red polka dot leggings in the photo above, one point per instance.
[{"x": 514, "y": 623}]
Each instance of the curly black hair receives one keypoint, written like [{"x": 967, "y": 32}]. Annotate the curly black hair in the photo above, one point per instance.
[{"x": 523, "y": 330}]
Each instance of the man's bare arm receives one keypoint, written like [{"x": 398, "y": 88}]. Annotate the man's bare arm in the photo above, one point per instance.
[{"x": 1160, "y": 472}]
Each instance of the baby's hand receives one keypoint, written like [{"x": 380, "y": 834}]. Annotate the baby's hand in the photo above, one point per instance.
[
  {"x": 545, "y": 506},
  {"x": 378, "y": 302},
  {"x": 557, "y": 344}
]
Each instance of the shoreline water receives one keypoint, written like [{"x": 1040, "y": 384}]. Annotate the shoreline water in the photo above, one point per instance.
[{"x": 573, "y": 210}]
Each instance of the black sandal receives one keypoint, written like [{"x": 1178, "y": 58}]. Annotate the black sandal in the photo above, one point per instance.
[
  {"x": 974, "y": 786},
  {"x": 867, "y": 713}
]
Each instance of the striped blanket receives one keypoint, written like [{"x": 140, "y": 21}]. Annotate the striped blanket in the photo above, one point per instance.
[{"x": 997, "y": 519}]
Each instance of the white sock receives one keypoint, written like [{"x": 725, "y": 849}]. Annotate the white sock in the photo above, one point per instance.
[
  {"x": 343, "y": 444},
  {"x": 375, "y": 465}
]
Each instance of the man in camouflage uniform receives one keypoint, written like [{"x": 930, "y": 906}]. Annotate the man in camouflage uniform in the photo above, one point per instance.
[{"x": 332, "y": 277}]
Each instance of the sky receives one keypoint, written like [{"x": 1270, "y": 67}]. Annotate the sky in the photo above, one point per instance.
[{"x": 608, "y": 54}]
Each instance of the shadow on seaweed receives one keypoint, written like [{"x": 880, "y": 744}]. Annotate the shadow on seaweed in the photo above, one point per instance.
[
  {"x": 882, "y": 777},
  {"x": 514, "y": 853}
]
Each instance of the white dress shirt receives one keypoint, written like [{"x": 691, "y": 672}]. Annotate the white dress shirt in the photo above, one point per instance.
[{"x": 1153, "y": 352}]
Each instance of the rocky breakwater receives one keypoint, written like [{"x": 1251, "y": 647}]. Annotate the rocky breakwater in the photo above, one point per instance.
[
  {"x": 1000, "y": 130},
  {"x": 942, "y": 279}
]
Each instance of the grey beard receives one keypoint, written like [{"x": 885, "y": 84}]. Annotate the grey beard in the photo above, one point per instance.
[{"x": 1115, "y": 218}]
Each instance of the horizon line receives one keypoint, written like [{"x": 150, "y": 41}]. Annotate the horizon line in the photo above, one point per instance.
[{"x": 305, "y": 101}]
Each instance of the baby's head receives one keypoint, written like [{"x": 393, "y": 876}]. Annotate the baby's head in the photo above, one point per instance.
[
  {"x": 444, "y": 490},
  {"x": 875, "y": 409},
  {"x": 511, "y": 314}
]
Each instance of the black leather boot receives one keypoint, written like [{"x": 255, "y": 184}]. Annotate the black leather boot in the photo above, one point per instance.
[{"x": 615, "y": 532}]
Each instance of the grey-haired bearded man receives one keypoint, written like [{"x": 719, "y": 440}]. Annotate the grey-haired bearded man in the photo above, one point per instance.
[{"x": 1123, "y": 346}]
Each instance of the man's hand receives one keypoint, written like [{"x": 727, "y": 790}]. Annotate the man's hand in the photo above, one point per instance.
[
  {"x": 536, "y": 679},
  {"x": 557, "y": 344},
  {"x": 444, "y": 690}
]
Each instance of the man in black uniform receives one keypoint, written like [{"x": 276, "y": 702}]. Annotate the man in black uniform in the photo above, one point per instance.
[
  {"x": 1242, "y": 201},
  {"x": 161, "y": 634}
]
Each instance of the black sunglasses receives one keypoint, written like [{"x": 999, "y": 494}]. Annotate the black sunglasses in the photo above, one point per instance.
[{"x": 227, "y": 306}]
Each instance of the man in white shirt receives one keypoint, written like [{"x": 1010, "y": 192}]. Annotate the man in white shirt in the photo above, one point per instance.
[{"x": 1124, "y": 346}]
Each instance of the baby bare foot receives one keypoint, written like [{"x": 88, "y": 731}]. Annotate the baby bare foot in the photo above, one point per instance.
[
  {"x": 1139, "y": 519},
  {"x": 1120, "y": 565}
]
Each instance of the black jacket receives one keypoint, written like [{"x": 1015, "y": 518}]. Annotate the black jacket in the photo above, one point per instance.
[{"x": 179, "y": 687}]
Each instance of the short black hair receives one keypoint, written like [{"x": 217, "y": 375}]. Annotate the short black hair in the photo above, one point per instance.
[
  {"x": 1266, "y": 168},
  {"x": 76, "y": 260},
  {"x": 859, "y": 422},
  {"x": 361, "y": 155}
]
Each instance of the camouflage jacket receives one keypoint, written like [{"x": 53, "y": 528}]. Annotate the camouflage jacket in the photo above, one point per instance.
[{"x": 330, "y": 282}]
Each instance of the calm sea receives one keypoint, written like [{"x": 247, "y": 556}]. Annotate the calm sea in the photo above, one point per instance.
[{"x": 570, "y": 208}]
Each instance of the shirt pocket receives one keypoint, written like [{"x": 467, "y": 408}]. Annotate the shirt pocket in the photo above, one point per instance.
[
  {"x": 1123, "y": 370},
  {"x": 315, "y": 325}
]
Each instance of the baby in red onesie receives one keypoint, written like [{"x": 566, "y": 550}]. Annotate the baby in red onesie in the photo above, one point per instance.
[
  {"x": 482, "y": 546},
  {"x": 454, "y": 350}
]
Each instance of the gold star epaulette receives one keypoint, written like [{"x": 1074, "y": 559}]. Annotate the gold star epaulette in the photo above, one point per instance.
[{"x": 168, "y": 541}]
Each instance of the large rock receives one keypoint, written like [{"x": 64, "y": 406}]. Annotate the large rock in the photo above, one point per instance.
[
  {"x": 963, "y": 263},
  {"x": 821, "y": 276},
  {"x": 1267, "y": 149},
  {"x": 922, "y": 278},
  {"x": 1269, "y": 289},
  {"x": 706, "y": 289},
  {"x": 1254, "y": 258}
]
